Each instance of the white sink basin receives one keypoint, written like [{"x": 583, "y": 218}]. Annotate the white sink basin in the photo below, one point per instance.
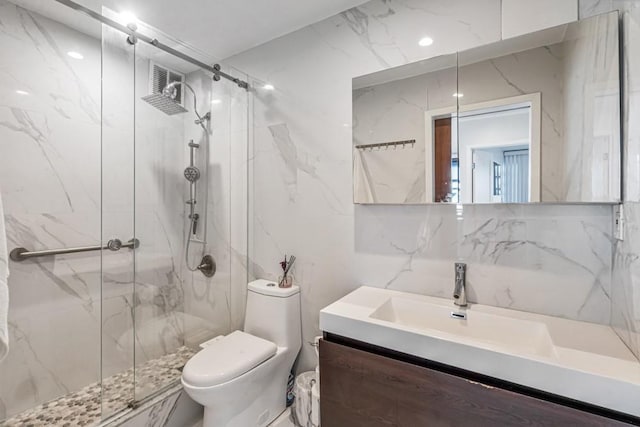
[
  {"x": 578, "y": 360},
  {"x": 480, "y": 329}
]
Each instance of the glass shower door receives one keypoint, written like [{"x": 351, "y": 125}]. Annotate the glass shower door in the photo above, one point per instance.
[
  {"x": 118, "y": 144},
  {"x": 174, "y": 178},
  {"x": 190, "y": 201},
  {"x": 162, "y": 134},
  {"x": 50, "y": 189},
  {"x": 143, "y": 200}
]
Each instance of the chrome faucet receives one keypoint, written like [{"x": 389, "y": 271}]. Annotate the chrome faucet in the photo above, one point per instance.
[{"x": 459, "y": 290}]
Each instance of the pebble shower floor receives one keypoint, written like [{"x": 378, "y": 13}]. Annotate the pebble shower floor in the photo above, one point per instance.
[{"x": 83, "y": 407}]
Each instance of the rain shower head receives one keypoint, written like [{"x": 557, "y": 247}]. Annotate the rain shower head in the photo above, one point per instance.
[
  {"x": 170, "y": 91},
  {"x": 164, "y": 103}
]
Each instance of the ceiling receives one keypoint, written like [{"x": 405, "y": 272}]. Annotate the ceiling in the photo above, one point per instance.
[{"x": 220, "y": 28}]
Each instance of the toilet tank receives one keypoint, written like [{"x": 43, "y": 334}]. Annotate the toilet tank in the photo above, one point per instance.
[{"x": 273, "y": 313}]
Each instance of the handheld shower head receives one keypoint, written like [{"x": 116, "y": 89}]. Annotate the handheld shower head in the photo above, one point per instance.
[{"x": 192, "y": 173}]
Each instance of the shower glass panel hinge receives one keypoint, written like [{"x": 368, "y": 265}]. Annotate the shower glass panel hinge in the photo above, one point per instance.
[{"x": 618, "y": 221}]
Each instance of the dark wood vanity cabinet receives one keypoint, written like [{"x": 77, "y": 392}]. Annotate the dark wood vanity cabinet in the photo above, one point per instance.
[{"x": 363, "y": 388}]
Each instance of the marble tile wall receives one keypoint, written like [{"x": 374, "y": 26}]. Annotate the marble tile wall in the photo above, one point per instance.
[
  {"x": 219, "y": 300},
  {"x": 64, "y": 163},
  {"x": 626, "y": 267},
  {"x": 626, "y": 297},
  {"x": 50, "y": 182},
  {"x": 522, "y": 256},
  {"x": 521, "y": 16},
  {"x": 590, "y": 161}
]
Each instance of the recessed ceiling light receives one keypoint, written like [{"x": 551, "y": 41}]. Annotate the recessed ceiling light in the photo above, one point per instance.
[
  {"x": 22, "y": 92},
  {"x": 268, "y": 87},
  {"x": 216, "y": 101},
  {"x": 127, "y": 18},
  {"x": 75, "y": 55},
  {"x": 425, "y": 41},
  {"x": 458, "y": 95}
]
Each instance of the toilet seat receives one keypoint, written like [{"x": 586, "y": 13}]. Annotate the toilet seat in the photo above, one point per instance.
[{"x": 226, "y": 359}]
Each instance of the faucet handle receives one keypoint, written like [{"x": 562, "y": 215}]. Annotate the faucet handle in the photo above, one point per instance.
[{"x": 461, "y": 267}]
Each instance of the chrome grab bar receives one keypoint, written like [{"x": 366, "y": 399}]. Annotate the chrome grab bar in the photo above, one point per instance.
[{"x": 21, "y": 254}]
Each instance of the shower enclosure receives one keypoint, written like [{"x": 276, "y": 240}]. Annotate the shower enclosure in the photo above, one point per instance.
[{"x": 138, "y": 156}]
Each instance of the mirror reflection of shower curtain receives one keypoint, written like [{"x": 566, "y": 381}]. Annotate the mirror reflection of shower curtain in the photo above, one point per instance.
[{"x": 515, "y": 177}]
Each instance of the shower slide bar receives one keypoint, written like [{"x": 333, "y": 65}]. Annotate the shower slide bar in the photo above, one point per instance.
[
  {"x": 134, "y": 36},
  {"x": 21, "y": 254}
]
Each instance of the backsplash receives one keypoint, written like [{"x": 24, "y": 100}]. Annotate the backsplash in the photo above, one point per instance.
[
  {"x": 546, "y": 259},
  {"x": 550, "y": 259}
]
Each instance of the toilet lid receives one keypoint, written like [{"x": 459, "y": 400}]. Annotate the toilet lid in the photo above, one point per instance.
[{"x": 226, "y": 359}]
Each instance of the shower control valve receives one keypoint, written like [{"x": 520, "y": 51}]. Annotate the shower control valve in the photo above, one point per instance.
[
  {"x": 114, "y": 244},
  {"x": 207, "y": 266}
]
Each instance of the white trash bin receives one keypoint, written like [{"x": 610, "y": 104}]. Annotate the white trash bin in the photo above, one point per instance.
[{"x": 307, "y": 403}]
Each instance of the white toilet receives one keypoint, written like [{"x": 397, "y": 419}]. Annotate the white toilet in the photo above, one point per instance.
[{"x": 241, "y": 379}]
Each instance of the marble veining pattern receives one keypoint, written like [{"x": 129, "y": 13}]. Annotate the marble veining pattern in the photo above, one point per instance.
[
  {"x": 524, "y": 257},
  {"x": 50, "y": 200},
  {"x": 339, "y": 246},
  {"x": 625, "y": 294},
  {"x": 54, "y": 132}
]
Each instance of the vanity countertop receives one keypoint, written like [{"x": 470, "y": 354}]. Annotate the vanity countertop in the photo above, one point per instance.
[{"x": 579, "y": 360}]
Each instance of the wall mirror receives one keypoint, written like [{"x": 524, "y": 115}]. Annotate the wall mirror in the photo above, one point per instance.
[
  {"x": 389, "y": 154},
  {"x": 534, "y": 118}
]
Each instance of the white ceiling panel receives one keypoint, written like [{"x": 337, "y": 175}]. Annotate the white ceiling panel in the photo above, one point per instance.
[{"x": 221, "y": 28}]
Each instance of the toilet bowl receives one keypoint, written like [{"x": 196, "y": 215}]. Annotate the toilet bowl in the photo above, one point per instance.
[{"x": 241, "y": 379}]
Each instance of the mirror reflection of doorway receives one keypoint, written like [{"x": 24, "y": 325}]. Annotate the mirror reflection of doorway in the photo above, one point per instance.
[
  {"x": 495, "y": 147},
  {"x": 486, "y": 152},
  {"x": 500, "y": 175},
  {"x": 442, "y": 159},
  {"x": 445, "y": 168}
]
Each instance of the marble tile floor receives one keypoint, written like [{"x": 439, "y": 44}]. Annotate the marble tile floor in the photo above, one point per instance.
[{"x": 83, "y": 407}]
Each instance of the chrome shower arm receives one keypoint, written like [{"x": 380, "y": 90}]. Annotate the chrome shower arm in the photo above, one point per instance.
[{"x": 170, "y": 92}]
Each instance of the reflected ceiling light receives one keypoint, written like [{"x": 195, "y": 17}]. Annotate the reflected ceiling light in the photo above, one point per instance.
[
  {"x": 425, "y": 41},
  {"x": 75, "y": 55},
  {"x": 216, "y": 101},
  {"x": 22, "y": 92},
  {"x": 458, "y": 95},
  {"x": 268, "y": 87},
  {"x": 128, "y": 18}
]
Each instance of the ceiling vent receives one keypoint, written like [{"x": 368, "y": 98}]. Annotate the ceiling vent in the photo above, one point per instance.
[{"x": 159, "y": 78}]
